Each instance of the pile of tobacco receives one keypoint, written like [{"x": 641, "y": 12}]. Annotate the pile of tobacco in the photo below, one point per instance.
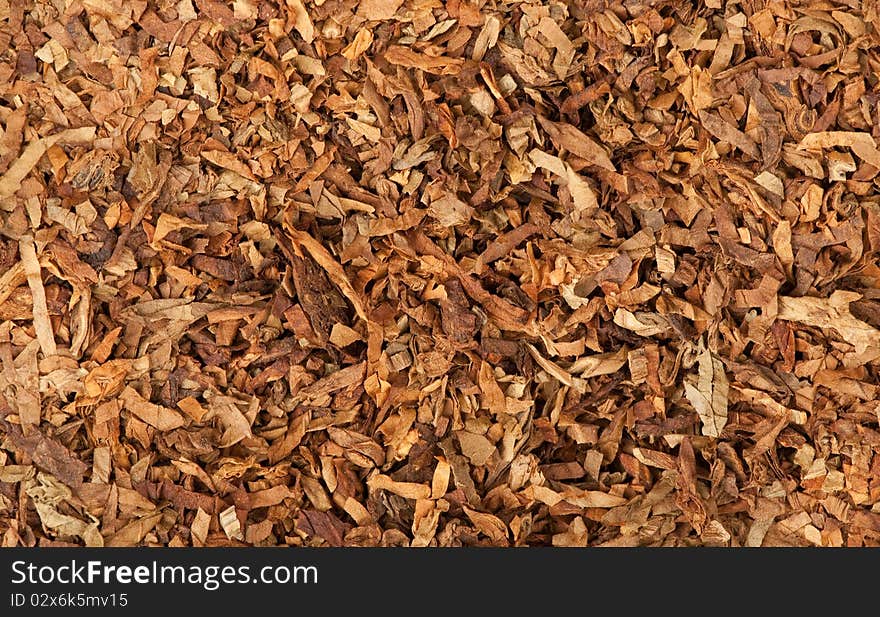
[{"x": 439, "y": 273}]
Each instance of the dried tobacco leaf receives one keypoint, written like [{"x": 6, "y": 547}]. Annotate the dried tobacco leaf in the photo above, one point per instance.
[
  {"x": 709, "y": 394},
  {"x": 46, "y": 453},
  {"x": 834, "y": 313}
]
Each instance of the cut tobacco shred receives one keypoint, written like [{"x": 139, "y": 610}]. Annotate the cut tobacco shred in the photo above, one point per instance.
[{"x": 393, "y": 272}]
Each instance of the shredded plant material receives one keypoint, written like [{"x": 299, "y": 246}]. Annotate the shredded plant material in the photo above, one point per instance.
[{"x": 439, "y": 273}]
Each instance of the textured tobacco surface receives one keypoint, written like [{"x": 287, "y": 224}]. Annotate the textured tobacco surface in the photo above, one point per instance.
[{"x": 439, "y": 273}]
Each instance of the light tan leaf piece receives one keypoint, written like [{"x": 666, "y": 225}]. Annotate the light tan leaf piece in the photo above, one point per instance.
[
  {"x": 834, "y": 313},
  {"x": 301, "y": 20},
  {"x": 709, "y": 396},
  {"x": 10, "y": 181},
  {"x": 575, "y": 141},
  {"x": 32, "y": 268},
  {"x": 488, "y": 524},
  {"x": 162, "y": 418},
  {"x": 862, "y": 144}
]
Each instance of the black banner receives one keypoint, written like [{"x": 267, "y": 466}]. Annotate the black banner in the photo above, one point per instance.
[{"x": 229, "y": 581}]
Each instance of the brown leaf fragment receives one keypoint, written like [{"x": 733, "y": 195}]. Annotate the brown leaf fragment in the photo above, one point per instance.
[
  {"x": 409, "y": 490},
  {"x": 709, "y": 394},
  {"x": 343, "y": 336},
  {"x": 200, "y": 527},
  {"x": 333, "y": 269},
  {"x": 162, "y": 418},
  {"x": 236, "y": 423},
  {"x": 767, "y": 431},
  {"x": 324, "y": 525},
  {"x": 106, "y": 380},
  {"x": 19, "y": 382},
  {"x": 457, "y": 320},
  {"x": 555, "y": 370},
  {"x": 321, "y": 301},
  {"x": 229, "y": 161},
  {"x": 593, "y": 499},
  {"x": 862, "y": 144},
  {"x": 333, "y": 382},
  {"x": 33, "y": 270},
  {"x": 449, "y": 210},
  {"x": 230, "y": 524},
  {"x": 425, "y": 521},
  {"x": 697, "y": 89},
  {"x": 133, "y": 533},
  {"x": 834, "y": 313},
  {"x": 321, "y": 164},
  {"x": 493, "y": 396},
  {"x": 437, "y": 65},
  {"x": 642, "y": 323},
  {"x": 721, "y": 130},
  {"x": 10, "y": 281},
  {"x": 572, "y": 139},
  {"x": 378, "y": 10},
  {"x": 506, "y": 315},
  {"x": 502, "y": 245},
  {"x": 575, "y": 535},
  {"x": 487, "y": 38},
  {"x": 359, "y": 448},
  {"x": 301, "y": 20},
  {"x": 291, "y": 438},
  {"x": 654, "y": 458},
  {"x": 440, "y": 481},
  {"x": 66, "y": 525},
  {"x": 362, "y": 41},
  {"x": 11, "y": 181},
  {"x": 488, "y": 524},
  {"x": 476, "y": 447},
  {"x": 687, "y": 498},
  {"x": 269, "y": 496},
  {"x": 46, "y": 453}
]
